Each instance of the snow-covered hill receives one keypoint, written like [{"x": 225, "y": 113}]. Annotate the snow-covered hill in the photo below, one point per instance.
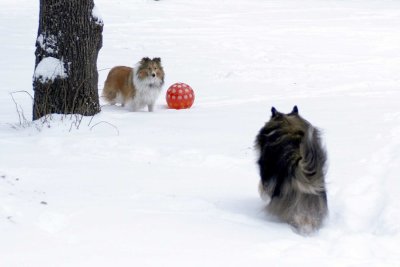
[{"x": 179, "y": 188}]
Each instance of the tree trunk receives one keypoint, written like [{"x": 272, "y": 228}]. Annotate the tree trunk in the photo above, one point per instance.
[{"x": 69, "y": 40}]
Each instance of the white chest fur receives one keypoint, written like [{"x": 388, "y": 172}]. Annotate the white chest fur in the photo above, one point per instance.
[{"x": 147, "y": 92}]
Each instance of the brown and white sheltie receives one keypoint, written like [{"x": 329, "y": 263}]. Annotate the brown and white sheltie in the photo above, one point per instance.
[{"x": 136, "y": 87}]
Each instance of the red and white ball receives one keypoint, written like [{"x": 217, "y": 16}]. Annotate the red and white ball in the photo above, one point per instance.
[{"x": 180, "y": 96}]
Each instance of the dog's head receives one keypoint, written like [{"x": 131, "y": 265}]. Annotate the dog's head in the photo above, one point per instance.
[
  {"x": 290, "y": 125},
  {"x": 291, "y": 120},
  {"x": 276, "y": 114},
  {"x": 150, "y": 71}
]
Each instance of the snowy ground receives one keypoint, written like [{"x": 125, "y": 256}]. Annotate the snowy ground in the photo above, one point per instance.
[{"x": 179, "y": 188}]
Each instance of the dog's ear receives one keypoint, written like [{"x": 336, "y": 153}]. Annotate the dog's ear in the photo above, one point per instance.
[
  {"x": 295, "y": 110},
  {"x": 145, "y": 59},
  {"x": 274, "y": 112},
  {"x": 157, "y": 60}
]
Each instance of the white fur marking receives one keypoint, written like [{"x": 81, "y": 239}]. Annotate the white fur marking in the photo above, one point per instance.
[
  {"x": 119, "y": 99},
  {"x": 263, "y": 194},
  {"x": 310, "y": 134},
  {"x": 271, "y": 133},
  {"x": 147, "y": 92}
]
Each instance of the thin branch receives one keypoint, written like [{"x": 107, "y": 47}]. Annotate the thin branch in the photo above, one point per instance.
[
  {"x": 22, "y": 91},
  {"x": 105, "y": 69},
  {"x": 115, "y": 127},
  {"x": 16, "y": 107},
  {"x": 91, "y": 119}
]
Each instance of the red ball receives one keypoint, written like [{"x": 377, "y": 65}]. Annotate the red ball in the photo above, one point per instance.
[{"x": 180, "y": 96}]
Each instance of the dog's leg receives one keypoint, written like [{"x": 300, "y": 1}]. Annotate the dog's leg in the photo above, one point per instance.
[
  {"x": 151, "y": 107},
  {"x": 263, "y": 193},
  {"x": 109, "y": 96}
]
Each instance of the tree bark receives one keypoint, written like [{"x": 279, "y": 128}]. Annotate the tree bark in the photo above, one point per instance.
[{"x": 69, "y": 39}]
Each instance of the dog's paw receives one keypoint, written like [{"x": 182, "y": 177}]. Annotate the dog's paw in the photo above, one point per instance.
[{"x": 263, "y": 194}]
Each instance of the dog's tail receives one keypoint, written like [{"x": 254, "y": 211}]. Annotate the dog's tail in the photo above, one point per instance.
[{"x": 310, "y": 172}]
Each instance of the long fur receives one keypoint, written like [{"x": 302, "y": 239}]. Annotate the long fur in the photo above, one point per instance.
[
  {"x": 136, "y": 87},
  {"x": 292, "y": 169}
]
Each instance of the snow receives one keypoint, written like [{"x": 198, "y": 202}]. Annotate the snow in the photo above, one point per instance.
[
  {"x": 48, "y": 43},
  {"x": 97, "y": 15},
  {"x": 180, "y": 187},
  {"x": 50, "y": 68}
]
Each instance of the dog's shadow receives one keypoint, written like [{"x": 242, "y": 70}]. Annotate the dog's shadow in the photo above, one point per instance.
[{"x": 120, "y": 109}]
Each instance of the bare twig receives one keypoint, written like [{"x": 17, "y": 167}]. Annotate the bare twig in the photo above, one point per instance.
[
  {"x": 105, "y": 69},
  {"x": 20, "y": 111},
  {"x": 115, "y": 127},
  {"x": 72, "y": 123},
  {"x": 16, "y": 107},
  {"x": 91, "y": 119},
  {"x": 22, "y": 91}
]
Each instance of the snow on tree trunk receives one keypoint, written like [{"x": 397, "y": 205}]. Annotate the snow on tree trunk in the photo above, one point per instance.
[{"x": 69, "y": 39}]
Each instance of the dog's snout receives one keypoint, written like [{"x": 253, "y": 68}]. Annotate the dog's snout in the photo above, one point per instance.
[{"x": 154, "y": 75}]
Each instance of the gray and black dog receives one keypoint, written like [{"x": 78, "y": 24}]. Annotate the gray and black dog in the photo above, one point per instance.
[{"x": 292, "y": 169}]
